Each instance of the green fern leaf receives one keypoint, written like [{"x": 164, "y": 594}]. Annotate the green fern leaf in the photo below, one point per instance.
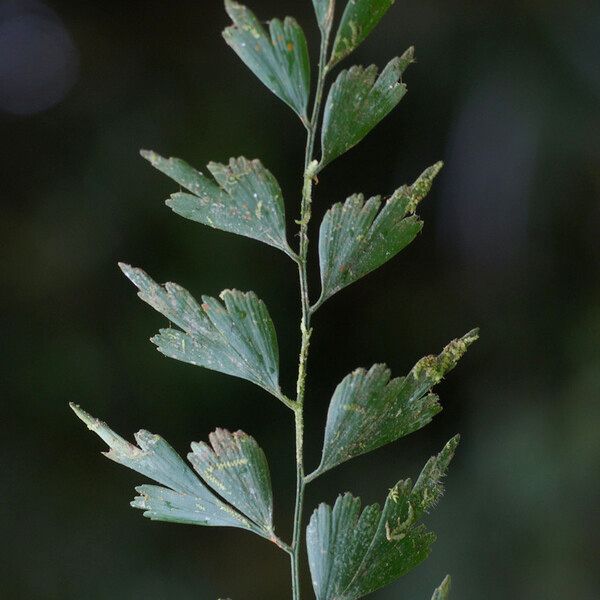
[
  {"x": 359, "y": 19},
  {"x": 357, "y": 101},
  {"x": 236, "y": 337},
  {"x": 280, "y": 60},
  {"x": 246, "y": 199},
  {"x": 235, "y": 467},
  {"x": 181, "y": 497},
  {"x": 368, "y": 410},
  {"x": 356, "y": 237},
  {"x": 352, "y": 554}
]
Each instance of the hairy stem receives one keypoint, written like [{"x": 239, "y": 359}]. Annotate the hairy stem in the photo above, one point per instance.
[{"x": 305, "y": 328}]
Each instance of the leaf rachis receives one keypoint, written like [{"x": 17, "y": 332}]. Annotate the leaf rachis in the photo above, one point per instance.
[{"x": 226, "y": 480}]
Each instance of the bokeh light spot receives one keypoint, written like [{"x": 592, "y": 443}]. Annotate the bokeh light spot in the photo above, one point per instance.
[{"x": 38, "y": 59}]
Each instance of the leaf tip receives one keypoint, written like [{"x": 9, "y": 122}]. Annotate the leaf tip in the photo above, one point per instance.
[
  {"x": 231, "y": 5},
  {"x": 83, "y": 415},
  {"x": 126, "y": 268},
  {"x": 440, "y": 462},
  {"x": 442, "y": 592},
  {"x": 134, "y": 274},
  {"x": 451, "y": 446},
  {"x": 405, "y": 60},
  {"x": 409, "y": 54},
  {"x": 435, "y": 367},
  {"x": 420, "y": 188},
  {"x": 472, "y": 336},
  {"x": 156, "y": 160}
]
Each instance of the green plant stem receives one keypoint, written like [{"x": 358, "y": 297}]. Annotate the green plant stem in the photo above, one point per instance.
[{"x": 305, "y": 328}]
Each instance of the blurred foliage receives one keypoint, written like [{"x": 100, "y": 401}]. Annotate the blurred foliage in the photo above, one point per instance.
[{"x": 507, "y": 93}]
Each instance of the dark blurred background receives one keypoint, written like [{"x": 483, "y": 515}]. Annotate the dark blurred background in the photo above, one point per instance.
[{"x": 506, "y": 92}]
